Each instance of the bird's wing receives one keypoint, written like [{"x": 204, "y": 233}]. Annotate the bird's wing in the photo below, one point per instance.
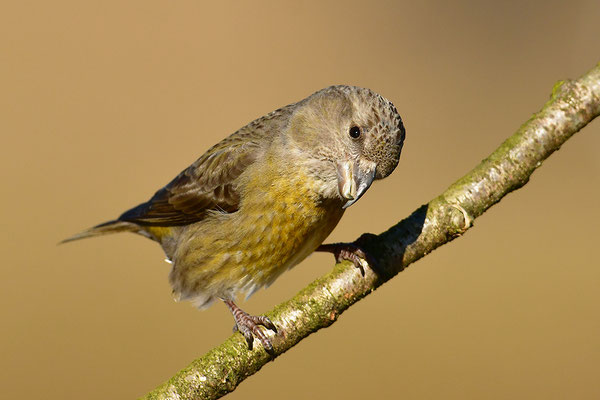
[{"x": 210, "y": 183}]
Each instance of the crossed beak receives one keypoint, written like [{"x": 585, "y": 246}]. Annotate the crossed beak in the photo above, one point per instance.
[{"x": 354, "y": 178}]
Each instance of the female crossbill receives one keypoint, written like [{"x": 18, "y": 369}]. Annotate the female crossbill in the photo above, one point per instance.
[{"x": 261, "y": 200}]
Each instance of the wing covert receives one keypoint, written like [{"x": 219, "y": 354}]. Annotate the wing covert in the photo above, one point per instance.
[{"x": 211, "y": 182}]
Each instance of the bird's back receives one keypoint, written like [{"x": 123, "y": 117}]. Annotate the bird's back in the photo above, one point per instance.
[{"x": 208, "y": 185}]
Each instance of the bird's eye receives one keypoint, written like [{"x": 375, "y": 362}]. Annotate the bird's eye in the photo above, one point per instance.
[{"x": 354, "y": 132}]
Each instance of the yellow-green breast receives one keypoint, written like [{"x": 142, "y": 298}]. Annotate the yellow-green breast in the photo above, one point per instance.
[{"x": 281, "y": 220}]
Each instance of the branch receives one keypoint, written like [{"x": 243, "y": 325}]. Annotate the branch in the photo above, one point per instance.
[{"x": 573, "y": 105}]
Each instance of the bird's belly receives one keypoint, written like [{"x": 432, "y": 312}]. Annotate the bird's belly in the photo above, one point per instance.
[{"x": 249, "y": 249}]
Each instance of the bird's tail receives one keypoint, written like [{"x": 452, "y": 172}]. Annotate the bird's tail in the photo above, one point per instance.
[{"x": 103, "y": 229}]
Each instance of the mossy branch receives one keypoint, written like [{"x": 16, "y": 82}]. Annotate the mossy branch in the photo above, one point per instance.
[{"x": 573, "y": 105}]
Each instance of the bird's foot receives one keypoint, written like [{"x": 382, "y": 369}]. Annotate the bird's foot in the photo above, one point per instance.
[
  {"x": 248, "y": 325},
  {"x": 353, "y": 252}
]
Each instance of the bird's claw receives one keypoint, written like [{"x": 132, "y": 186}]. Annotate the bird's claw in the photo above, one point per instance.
[
  {"x": 352, "y": 252},
  {"x": 248, "y": 326}
]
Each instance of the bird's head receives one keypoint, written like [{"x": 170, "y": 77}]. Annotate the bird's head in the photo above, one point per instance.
[{"x": 351, "y": 135}]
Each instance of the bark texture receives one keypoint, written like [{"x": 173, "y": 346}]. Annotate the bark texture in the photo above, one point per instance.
[{"x": 573, "y": 104}]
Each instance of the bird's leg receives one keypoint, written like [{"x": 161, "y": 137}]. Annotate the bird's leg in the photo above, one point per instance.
[
  {"x": 352, "y": 252},
  {"x": 247, "y": 325}
]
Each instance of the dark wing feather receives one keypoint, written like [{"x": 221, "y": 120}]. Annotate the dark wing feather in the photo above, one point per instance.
[{"x": 210, "y": 183}]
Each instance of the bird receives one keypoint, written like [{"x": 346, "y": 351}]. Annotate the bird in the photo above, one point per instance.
[{"x": 264, "y": 198}]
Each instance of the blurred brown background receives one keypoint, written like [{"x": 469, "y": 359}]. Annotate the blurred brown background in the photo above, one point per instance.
[{"x": 102, "y": 103}]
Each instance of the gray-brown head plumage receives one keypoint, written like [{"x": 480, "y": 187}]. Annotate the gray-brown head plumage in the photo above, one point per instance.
[{"x": 357, "y": 131}]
